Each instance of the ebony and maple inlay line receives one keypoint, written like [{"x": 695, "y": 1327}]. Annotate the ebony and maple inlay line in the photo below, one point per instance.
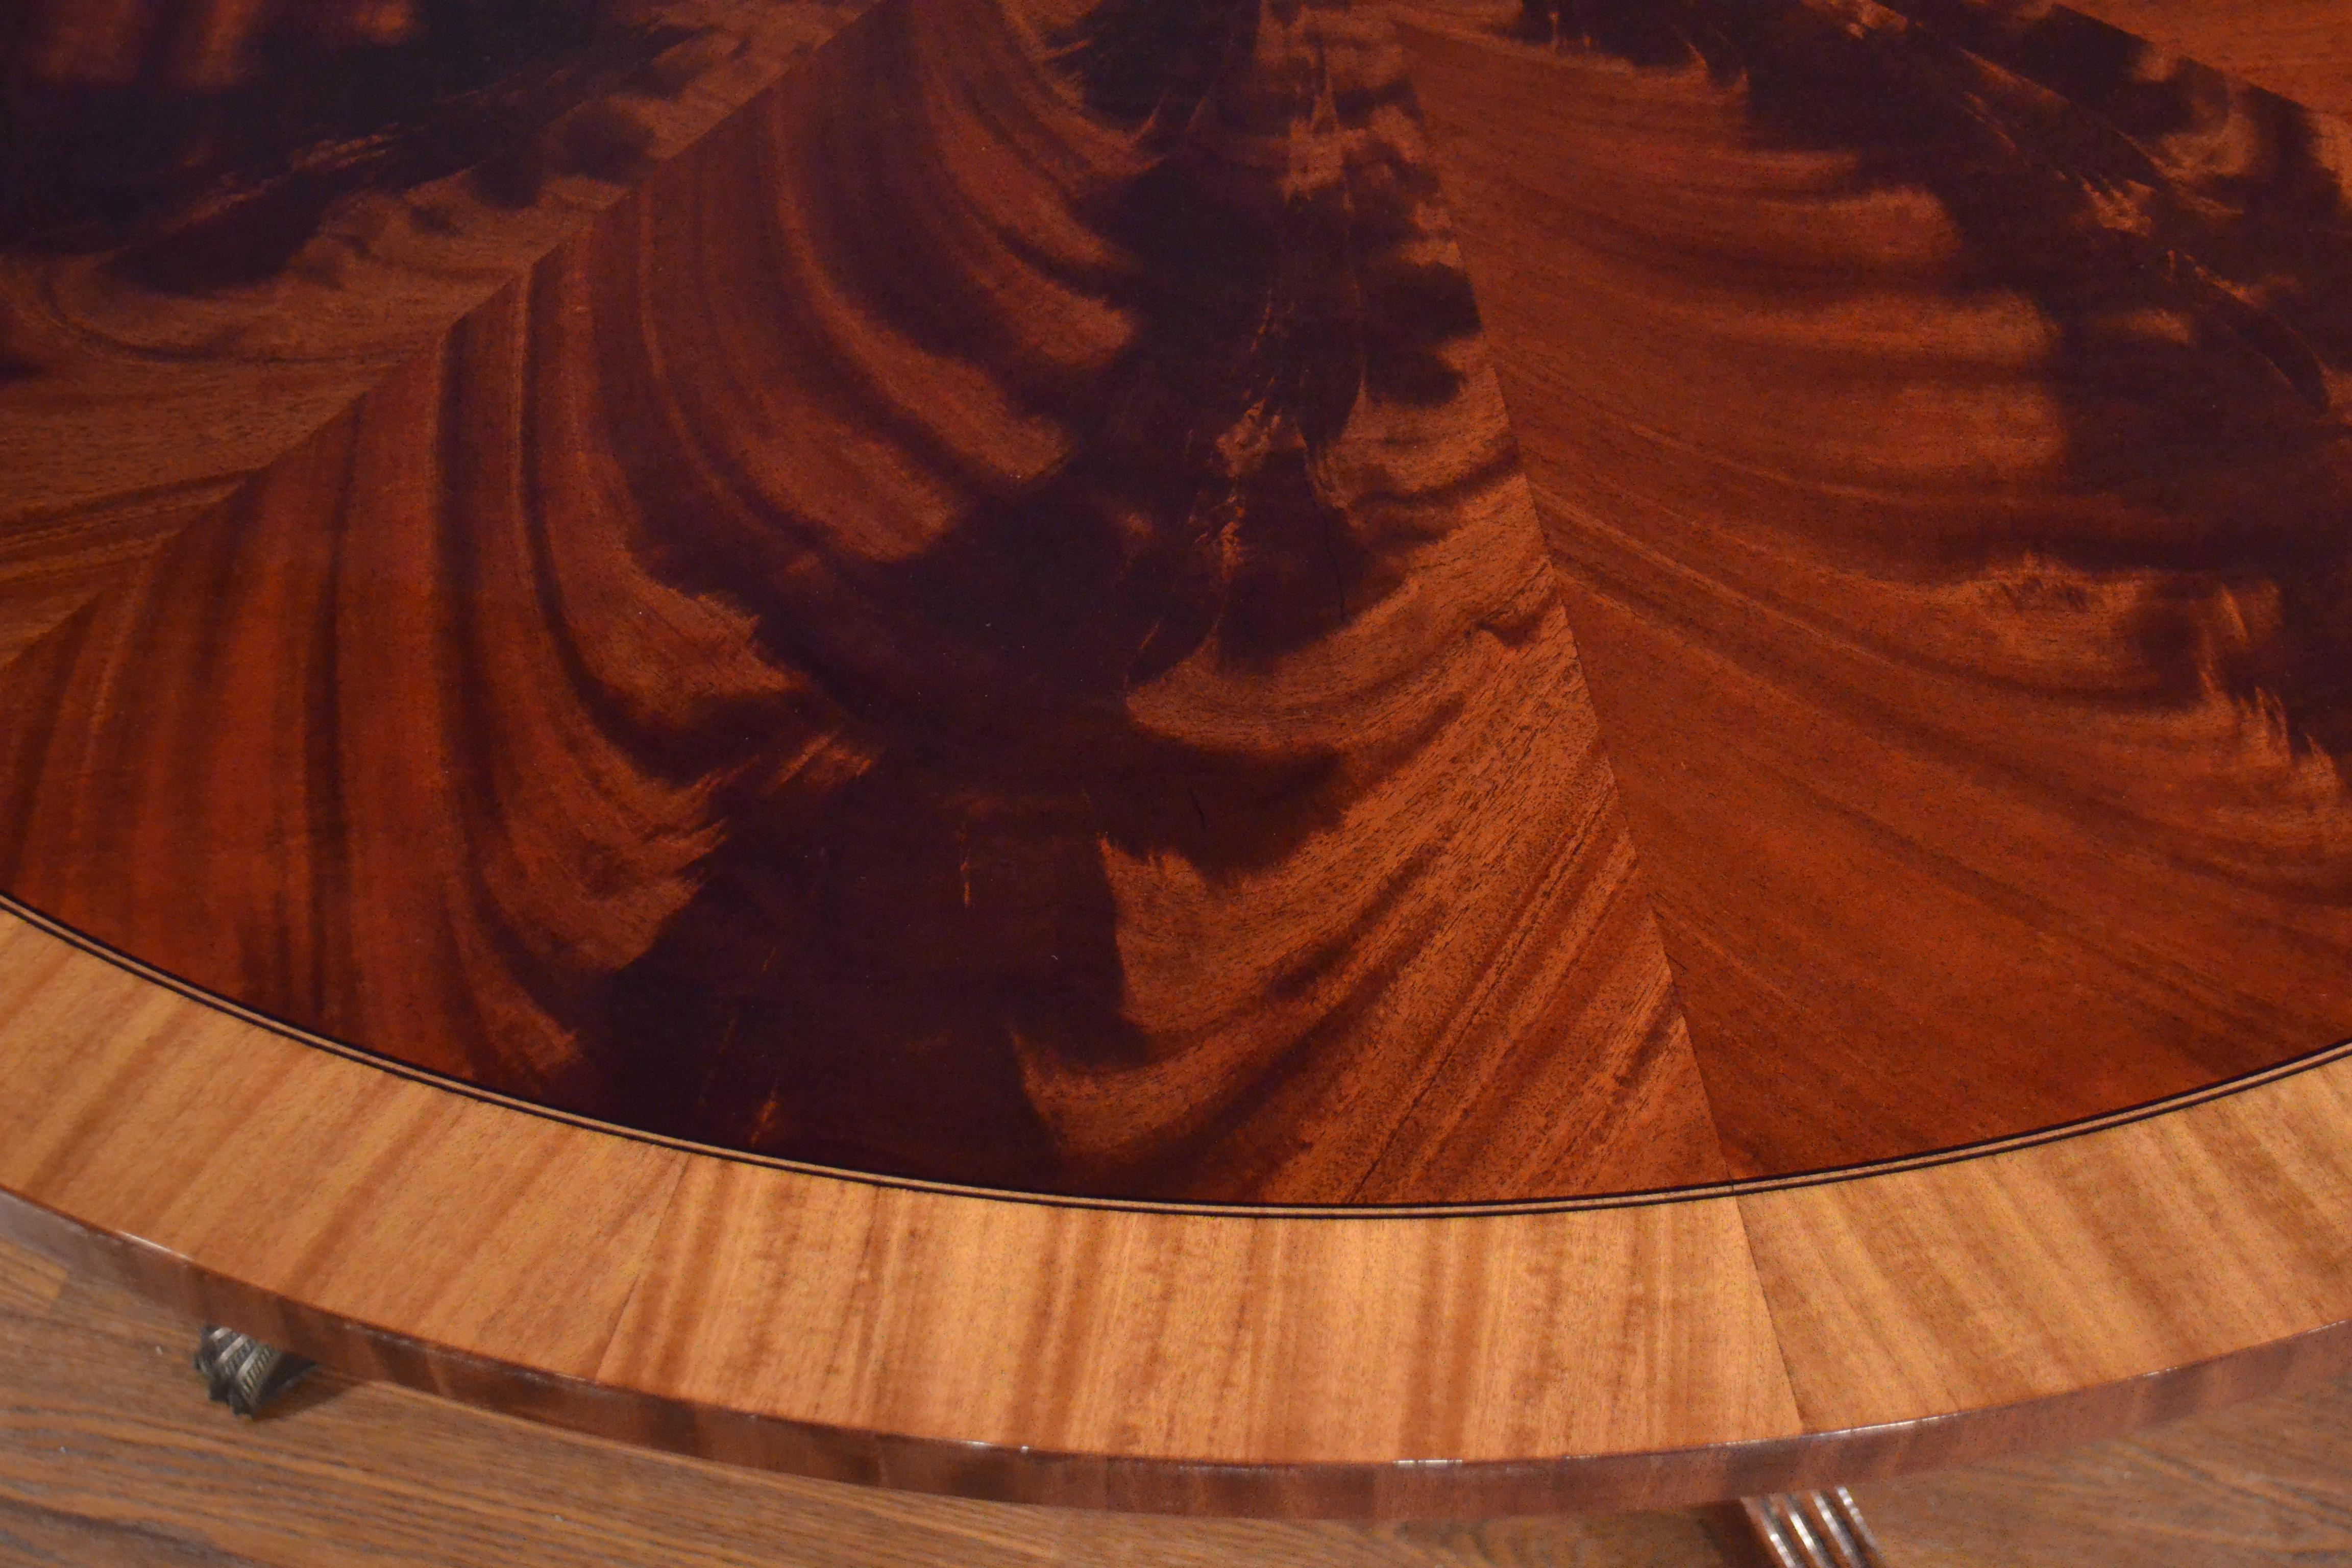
[
  {"x": 2122, "y": 1116},
  {"x": 973, "y": 614}
]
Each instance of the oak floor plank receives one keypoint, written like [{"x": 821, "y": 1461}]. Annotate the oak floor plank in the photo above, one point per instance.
[
  {"x": 39, "y": 1535},
  {"x": 2262, "y": 1484}
]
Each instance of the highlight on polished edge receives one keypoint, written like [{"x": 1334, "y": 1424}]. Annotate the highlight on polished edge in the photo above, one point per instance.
[{"x": 1250, "y": 602}]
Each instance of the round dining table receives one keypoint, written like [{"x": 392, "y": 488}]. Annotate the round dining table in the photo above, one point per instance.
[{"x": 1259, "y": 757}]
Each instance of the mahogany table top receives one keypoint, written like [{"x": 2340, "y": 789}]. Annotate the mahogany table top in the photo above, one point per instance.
[{"x": 1250, "y": 755}]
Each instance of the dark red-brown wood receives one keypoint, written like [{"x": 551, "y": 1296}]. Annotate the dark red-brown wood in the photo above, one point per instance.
[
  {"x": 974, "y": 612},
  {"x": 981, "y": 624},
  {"x": 1936, "y": 413}
]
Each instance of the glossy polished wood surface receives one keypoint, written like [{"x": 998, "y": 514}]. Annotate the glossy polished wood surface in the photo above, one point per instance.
[
  {"x": 1030, "y": 665},
  {"x": 1934, "y": 410},
  {"x": 1606, "y": 1354},
  {"x": 1169, "y": 757},
  {"x": 114, "y": 1459},
  {"x": 981, "y": 621},
  {"x": 2295, "y": 47}
]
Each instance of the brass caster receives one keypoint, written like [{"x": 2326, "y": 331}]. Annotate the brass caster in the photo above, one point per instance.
[
  {"x": 1812, "y": 1530},
  {"x": 244, "y": 1374}
]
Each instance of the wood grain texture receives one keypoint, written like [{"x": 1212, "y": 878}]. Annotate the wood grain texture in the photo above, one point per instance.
[
  {"x": 973, "y": 624},
  {"x": 2259, "y": 1485},
  {"x": 220, "y": 223},
  {"x": 111, "y": 1458},
  {"x": 969, "y": 669},
  {"x": 1597, "y": 1356},
  {"x": 2295, "y": 47},
  {"x": 970, "y": 674},
  {"x": 150, "y": 1073},
  {"x": 868, "y": 1331},
  {"x": 110, "y": 1454},
  {"x": 1934, "y": 411},
  {"x": 2227, "y": 1234},
  {"x": 1533, "y": 1309}
]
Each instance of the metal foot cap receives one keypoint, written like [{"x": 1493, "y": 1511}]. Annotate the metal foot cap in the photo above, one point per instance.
[
  {"x": 244, "y": 1374},
  {"x": 1813, "y": 1529}
]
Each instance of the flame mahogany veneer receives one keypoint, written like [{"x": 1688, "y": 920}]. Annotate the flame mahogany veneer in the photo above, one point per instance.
[
  {"x": 1030, "y": 664},
  {"x": 1936, "y": 414},
  {"x": 1258, "y": 754}
]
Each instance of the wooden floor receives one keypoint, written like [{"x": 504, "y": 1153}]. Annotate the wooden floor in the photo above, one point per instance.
[{"x": 110, "y": 1458}]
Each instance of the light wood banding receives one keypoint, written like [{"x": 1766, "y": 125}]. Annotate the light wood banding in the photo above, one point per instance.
[{"x": 1614, "y": 1354}]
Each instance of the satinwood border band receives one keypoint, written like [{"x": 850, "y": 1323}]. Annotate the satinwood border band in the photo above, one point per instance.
[{"x": 1647, "y": 1349}]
